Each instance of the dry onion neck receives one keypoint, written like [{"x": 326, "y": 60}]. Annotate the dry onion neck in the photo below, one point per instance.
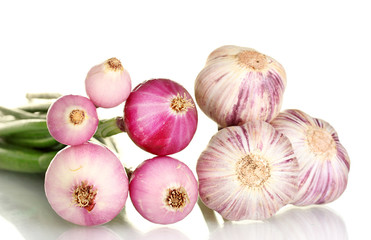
[
  {"x": 176, "y": 198},
  {"x": 77, "y": 116},
  {"x": 84, "y": 196},
  {"x": 181, "y": 104},
  {"x": 114, "y": 64},
  {"x": 252, "y": 170}
]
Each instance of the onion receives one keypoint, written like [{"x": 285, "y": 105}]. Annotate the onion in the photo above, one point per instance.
[
  {"x": 86, "y": 184},
  {"x": 108, "y": 84},
  {"x": 160, "y": 116},
  {"x": 163, "y": 190},
  {"x": 247, "y": 172},
  {"x": 72, "y": 119}
]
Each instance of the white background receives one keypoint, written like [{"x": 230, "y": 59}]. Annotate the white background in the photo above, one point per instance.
[{"x": 324, "y": 46}]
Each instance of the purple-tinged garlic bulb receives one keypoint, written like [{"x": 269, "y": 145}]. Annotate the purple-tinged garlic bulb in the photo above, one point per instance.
[
  {"x": 247, "y": 172},
  {"x": 323, "y": 162},
  {"x": 238, "y": 85}
]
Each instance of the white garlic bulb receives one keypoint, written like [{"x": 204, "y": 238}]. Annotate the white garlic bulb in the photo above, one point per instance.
[
  {"x": 239, "y": 84},
  {"x": 323, "y": 162},
  {"x": 247, "y": 172}
]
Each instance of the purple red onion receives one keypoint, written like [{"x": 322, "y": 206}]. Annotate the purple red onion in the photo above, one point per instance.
[{"x": 160, "y": 116}]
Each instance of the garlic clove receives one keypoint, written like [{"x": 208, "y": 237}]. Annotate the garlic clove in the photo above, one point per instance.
[
  {"x": 247, "y": 172},
  {"x": 323, "y": 162},
  {"x": 239, "y": 84}
]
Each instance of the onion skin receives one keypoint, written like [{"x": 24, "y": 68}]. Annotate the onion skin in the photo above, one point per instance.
[
  {"x": 108, "y": 87},
  {"x": 323, "y": 177},
  {"x": 152, "y": 124},
  {"x": 99, "y": 167},
  {"x": 62, "y": 129},
  {"x": 230, "y": 93},
  {"x": 220, "y": 185},
  {"x": 148, "y": 188}
]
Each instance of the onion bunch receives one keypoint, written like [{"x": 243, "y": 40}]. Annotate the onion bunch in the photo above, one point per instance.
[{"x": 85, "y": 182}]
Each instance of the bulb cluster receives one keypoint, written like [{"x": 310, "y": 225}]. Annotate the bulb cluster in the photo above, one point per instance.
[
  {"x": 259, "y": 161},
  {"x": 262, "y": 159},
  {"x": 77, "y": 185},
  {"x": 159, "y": 116}
]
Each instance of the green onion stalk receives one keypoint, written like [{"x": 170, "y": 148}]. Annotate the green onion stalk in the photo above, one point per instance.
[{"x": 25, "y": 142}]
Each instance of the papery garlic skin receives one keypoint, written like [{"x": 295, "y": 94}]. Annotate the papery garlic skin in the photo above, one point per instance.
[
  {"x": 239, "y": 84},
  {"x": 323, "y": 162},
  {"x": 108, "y": 84},
  {"x": 247, "y": 172}
]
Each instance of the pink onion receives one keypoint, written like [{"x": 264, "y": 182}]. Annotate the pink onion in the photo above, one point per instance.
[
  {"x": 108, "y": 84},
  {"x": 72, "y": 119},
  {"x": 86, "y": 184},
  {"x": 160, "y": 116},
  {"x": 163, "y": 190}
]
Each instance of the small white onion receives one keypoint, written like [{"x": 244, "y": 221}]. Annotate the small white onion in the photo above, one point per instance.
[
  {"x": 323, "y": 162},
  {"x": 108, "y": 84},
  {"x": 247, "y": 172},
  {"x": 86, "y": 184},
  {"x": 239, "y": 84}
]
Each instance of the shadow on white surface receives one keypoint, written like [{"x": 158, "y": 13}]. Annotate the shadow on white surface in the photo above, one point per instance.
[{"x": 23, "y": 204}]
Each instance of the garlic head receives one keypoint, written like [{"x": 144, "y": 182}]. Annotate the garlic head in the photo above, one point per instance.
[
  {"x": 247, "y": 172},
  {"x": 240, "y": 84},
  {"x": 323, "y": 162}
]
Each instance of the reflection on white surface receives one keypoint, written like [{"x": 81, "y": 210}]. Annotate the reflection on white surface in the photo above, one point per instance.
[
  {"x": 312, "y": 223},
  {"x": 316, "y": 222},
  {"x": 23, "y": 204},
  {"x": 92, "y": 233},
  {"x": 165, "y": 233}
]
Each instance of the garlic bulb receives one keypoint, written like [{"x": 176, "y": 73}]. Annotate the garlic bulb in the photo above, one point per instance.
[
  {"x": 239, "y": 84},
  {"x": 323, "y": 161},
  {"x": 247, "y": 172}
]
